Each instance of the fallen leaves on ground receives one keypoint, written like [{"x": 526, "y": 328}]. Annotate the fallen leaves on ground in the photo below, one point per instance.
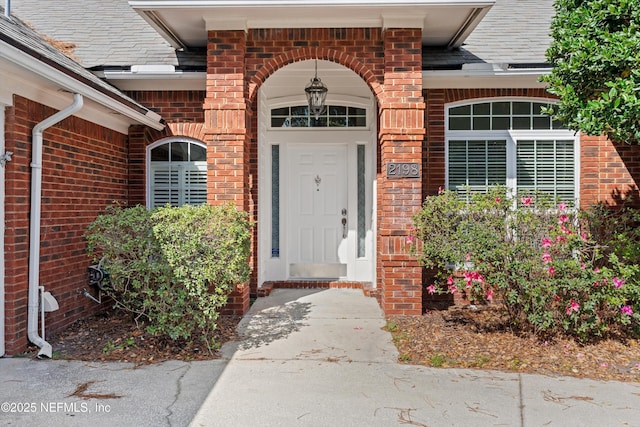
[
  {"x": 114, "y": 336},
  {"x": 467, "y": 338}
]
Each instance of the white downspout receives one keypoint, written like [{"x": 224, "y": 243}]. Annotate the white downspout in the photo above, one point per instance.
[{"x": 34, "y": 229}]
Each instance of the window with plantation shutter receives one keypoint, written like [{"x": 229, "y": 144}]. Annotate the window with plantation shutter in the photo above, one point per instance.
[
  {"x": 178, "y": 173},
  {"x": 509, "y": 142},
  {"x": 476, "y": 165},
  {"x": 546, "y": 165}
]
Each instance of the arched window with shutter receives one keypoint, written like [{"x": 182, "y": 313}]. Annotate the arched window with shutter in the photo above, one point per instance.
[{"x": 177, "y": 172}]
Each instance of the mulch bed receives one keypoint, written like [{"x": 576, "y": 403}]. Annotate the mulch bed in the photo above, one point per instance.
[
  {"x": 114, "y": 336},
  {"x": 467, "y": 338}
]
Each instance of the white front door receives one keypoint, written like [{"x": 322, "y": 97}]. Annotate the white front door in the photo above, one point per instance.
[{"x": 317, "y": 204}]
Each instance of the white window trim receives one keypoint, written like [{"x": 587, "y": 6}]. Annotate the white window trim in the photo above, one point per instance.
[
  {"x": 200, "y": 165},
  {"x": 511, "y": 136}
]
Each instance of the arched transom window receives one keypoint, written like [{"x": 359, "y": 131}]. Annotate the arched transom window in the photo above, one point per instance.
[
  {"x": 512, "y": 143},
  {"x": 177, "y": 173},
  {"x": 334, "y": 116}
]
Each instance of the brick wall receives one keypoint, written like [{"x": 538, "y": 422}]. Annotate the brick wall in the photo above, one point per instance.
[
  {"x": 174, "y": 106},
  {"x": 609, "y": 172},
  {"x": 84, "y": 169}
]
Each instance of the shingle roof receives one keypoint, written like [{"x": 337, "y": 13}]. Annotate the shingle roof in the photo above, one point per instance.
[
  {"x": 513, "y": 32},
  {"x": 110, "y": 33},
  {"x": 105, "y": 32},
  {"x": 21, "y": 36}
]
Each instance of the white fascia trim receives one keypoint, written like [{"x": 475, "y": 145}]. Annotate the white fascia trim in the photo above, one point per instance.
[
  {"x": 28, "y": 62},
  {"x": 172, "y": 4},
  {"x": 484, "y": 79}
]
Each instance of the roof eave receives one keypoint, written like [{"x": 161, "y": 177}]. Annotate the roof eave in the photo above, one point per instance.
[
  {"x": 489, "y": 76},
  {"x": 67, "y": 80},
  {"x": 184, "y": 23}
]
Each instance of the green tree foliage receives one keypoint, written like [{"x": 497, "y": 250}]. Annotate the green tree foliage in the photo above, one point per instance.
[
  {"x": 172, "y": 267},
  {"x": 595, "y": 54}
]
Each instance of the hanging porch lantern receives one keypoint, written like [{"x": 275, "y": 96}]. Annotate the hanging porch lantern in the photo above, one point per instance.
[{"x": 316, "y": 95}]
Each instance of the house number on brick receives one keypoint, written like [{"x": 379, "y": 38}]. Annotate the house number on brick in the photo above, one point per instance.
[{"x": 403, "y": 170}]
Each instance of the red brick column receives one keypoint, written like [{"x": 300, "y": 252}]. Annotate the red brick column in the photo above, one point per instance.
[
  {"x": 225, "y": 119},
  {"x": 226, "y": 133},
  {"x": 401, "y": 135}
]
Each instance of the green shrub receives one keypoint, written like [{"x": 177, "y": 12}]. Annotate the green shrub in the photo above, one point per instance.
[
  {"x": 529, "y": 254},
  {"x": 173, "y": 267}
]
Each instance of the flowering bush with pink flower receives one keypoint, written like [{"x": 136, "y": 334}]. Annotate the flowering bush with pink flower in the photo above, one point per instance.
[{"x": 530, "y": 254}]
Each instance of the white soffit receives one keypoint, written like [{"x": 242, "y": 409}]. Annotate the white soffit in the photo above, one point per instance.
[{"x": 185, "y": 23}]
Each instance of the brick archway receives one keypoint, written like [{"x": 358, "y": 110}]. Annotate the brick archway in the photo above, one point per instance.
[
  {"x": 280, "y": 61},
  {"x": 390, "y": 62}
]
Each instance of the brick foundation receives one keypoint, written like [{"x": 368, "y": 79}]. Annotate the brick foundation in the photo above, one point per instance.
[
  {"x": 367, "y": 287},
  {"x": 238, "y": 301}
]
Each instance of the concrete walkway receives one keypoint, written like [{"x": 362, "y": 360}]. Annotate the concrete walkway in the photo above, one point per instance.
[
  {"x": 310, "y": 358},
  {"x": 60, "y": 393},
  {"x": 320, "y": 358}
]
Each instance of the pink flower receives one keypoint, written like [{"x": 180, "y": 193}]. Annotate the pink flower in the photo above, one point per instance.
[
  {"x": 562, "y": 219},
  {"x": 584, "y": 236},
  {"x": 453, "y": 289},
  {"x": 617, "y": 283},
  {"x": 431, "y": 289},
  {"x": 565, "y": 230},
  {"x": 526, "y": 200},
  {"x": 468, "y": 257},
  {"x": 546, "y": 242},
  {"x": 450, "y": 280},
  {"x": 596, "y": 270},
  {"x": 561, "y": 239},
  {"x": 573, "y": 306},
  {"x": 440, "y": 190},
  {"x": 489, "y": 294},
  {"x": 583, "y": 266},
  {"x": 627, "y": 310},
  {"x": 498, "y": 199},
  {"x": 551, "y": 271},
  {"x": 410, "y": 239},
  {"x": 562, "y": 206},
  {"x": 546, "y": 257},
  {"x": 470, "y": 276}
]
